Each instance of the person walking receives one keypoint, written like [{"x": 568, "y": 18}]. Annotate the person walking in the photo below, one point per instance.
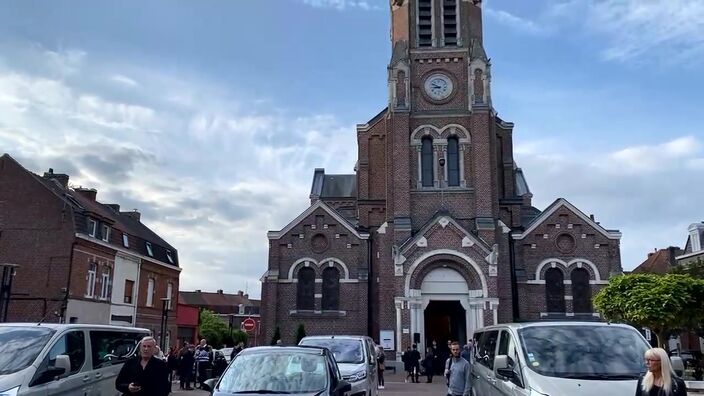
[
  {"x": 407, "y": 365},
  {"x": 236, "y": 350},
  {"x": 457, "y": 373},
  {"x": 203, "y": 361},
  {"x": 144, "y": 374},
  {"x": 186, "y": 359},
  {"x": 381, "y": 366},
  {"x": 415, "y": 362},
  {"x": 428, "y": 363},
  {"x": 172, "y": 363},
  {"x": 660, "y": 380}
]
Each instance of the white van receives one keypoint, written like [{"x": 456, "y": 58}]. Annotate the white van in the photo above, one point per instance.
[
  {"x": 356, "y": 358},
  {"x": 557, "y": 358},
  {"x": 56, "y": 359}
]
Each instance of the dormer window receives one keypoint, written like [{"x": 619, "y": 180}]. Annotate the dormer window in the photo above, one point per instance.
[
  {"x": 92, "y": 227},
  {"x": 105, "y": 232},
  {"x": 125, "y": 240},
  {"x": 150, "y": 252},
  {"x": 169, "y": 256}
]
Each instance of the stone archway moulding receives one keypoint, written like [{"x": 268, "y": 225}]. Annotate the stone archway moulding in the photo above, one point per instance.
[
  {"x": 318, "y": 264},
  {"x": 564, "y": 266},
  {"x": 467, "y": 259}
]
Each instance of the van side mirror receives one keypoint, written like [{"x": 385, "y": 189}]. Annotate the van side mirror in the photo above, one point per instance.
[
  {"x": 501, "y": 367},
  {"x": 61, "y": 367},
  {"x": 677, "y": 365}
]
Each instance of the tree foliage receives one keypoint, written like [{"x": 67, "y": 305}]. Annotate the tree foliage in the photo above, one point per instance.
[
  {"x": 213, "y": 328},
  {"x": 660, "y": 302},
  {"x": 300, "y": 333}
]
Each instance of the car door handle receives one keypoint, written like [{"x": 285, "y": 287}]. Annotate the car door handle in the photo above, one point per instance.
[
  {"x": 86, "y": 378},
  {"x": 98, "y": 375}
]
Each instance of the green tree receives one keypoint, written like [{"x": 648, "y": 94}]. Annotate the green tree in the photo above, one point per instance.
[
  {"x": 238, "y": 336},
  {"x": 277, "y": 336},
  {"x": 213, "y": 328},
  {"x": 694, "y": 269},
  {"x": 300, "y": 333},
  {"x": 660, "y": 302}
]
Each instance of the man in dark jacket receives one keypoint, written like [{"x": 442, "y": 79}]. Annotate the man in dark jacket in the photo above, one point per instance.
[
  {"x": 237, "y": 350},
  {"x": 144, "y": 374},
  {"x": 415, "y": 362},
  {"x": 186, "y": 359}
]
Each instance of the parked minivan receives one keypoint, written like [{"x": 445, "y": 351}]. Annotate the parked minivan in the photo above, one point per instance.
[
  {"x": 64, "y": 359},
  {"x": 356, "y": 358},
  {"x": 557, "y": 358}
]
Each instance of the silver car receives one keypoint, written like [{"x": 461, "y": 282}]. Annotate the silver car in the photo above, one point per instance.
[
  {"x": 557, "y": 358},
  {"x": 356, "y": 358}
]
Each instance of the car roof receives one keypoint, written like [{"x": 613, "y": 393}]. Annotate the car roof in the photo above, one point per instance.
[
  {"x": 330, "y": 337},
  {"x": 551, "y": 324},
  {"x": 311, "y": 350},
  {"x": 61, "y": 326}
]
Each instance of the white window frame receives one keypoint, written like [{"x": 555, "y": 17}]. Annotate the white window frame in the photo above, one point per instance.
[
  {"x": 92, "y": 230},
  {"x": 91, "y": 277},
  {"x": 169, "y": 292},
  {"x": 150, "y": 250},
  {"x": 151, "y": 285},
  {"x": 105, "y": 285},
  {"x": 125, "y": 240},
  {"x": 169, "y": 256},
  {"x": 105, "y": 236}
]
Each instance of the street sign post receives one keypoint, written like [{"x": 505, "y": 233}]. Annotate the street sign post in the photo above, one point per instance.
[{"x": 249, "y": 325}]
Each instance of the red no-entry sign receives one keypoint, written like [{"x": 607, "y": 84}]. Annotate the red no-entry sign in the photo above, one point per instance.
[{"x": 249, "y": 325}]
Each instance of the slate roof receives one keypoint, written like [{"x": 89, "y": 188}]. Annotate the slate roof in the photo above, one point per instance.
[
  {"x": 221, "y": 303},
  {"x": 333, "y": 186}
]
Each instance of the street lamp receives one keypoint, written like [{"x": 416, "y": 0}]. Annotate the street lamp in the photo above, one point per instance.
[
  {"x": 165, "y": 306},
  {"x": 7, "y": 272}
]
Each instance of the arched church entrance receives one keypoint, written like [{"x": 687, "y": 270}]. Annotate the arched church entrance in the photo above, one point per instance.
[{"x": 444, "y": 315}]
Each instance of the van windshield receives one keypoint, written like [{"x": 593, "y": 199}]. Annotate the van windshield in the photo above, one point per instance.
[
  {"x": 344, "y": 350},
  {"x": 584, "y": 352},
  {"x": 19, "y": 346}
]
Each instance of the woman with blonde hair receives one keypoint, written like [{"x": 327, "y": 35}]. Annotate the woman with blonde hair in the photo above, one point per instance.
[{"x": 660, "y": 380}]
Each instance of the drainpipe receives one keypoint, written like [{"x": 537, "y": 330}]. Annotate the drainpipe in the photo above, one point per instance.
[
  {"x": 514, "y": 281},
  {"x": 64, "y": 305},
  {"x": 370, "y": 283},
  {"x": 136, "y": 292}
]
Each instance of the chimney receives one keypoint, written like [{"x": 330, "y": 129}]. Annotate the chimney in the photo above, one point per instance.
[
  {"x": 240, "y": 293},
  {"x": 60, "y": 178},
  {"x": 114, "y": 207},
  {"x": 219, "y": 291},
  {"x": 133, "y": 214},
  {"x": 89, "y": 193},
  {"x": 246, "y": 296},
  {"x": 591, "y": 217},
  {"x": 197, "y": 290}
]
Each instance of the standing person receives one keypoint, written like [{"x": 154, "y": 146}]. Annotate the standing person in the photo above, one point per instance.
[
  {"x": 144, "y": 374},
  {"x": 457, "y": 372},
  {"x": 186, "y": 359},
  {"x": 437, "y": 362},
  {"x": 660, "y": 380},
  {"x": 428, "y": 364},
  {"x": 381, "y": 366},
  {"x": 407, "y": 366},
  {"x": 415, "y": 361},
  {"x": 172, "y": 363},
  {"x": 236, "y": 350},
  {"x": 203, "y": 361},
  {"x": 467, "y": 351}
]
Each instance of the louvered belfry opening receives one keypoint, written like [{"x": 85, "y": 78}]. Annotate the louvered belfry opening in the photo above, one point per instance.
[
  {"x": 449, "y": 19},
  {"x": 425, "y": 23}
]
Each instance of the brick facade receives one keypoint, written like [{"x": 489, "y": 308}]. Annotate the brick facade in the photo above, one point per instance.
[{"x": 483, "y": 236}]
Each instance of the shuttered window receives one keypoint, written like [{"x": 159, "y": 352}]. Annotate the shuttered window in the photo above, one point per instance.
[
  {"x": 425, "y": 23},
  {"x": 449, "y": 22}
]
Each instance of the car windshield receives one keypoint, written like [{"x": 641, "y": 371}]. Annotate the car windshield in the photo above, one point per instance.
[
  {"x": 584, "y": 352},
  {"x": 276, "y": 372},
  {"x": 19, "y": 346},
  {"x": 345, "y": 351}
]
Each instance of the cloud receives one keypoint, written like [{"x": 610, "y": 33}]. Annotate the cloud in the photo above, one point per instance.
[
  {"x": 515, "y": 22},
  {"x": 341, "y": 5},
  {"x": 634, "y": 29},
  {"x": 211, "y": 173},
  {"x": 650, "y": 192}
]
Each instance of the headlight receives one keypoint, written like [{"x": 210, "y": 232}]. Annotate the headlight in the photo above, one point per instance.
[
  {"x": 10, "y": 392},
  {"x": 360, "y": 375}
]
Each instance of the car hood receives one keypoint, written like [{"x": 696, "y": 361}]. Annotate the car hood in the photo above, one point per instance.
[
  {"x": 577, "y": 387},
  {"x": 350, "y": 368},
  {"x": 9, "y": 381},
  {"x": 219, "y": 393}
]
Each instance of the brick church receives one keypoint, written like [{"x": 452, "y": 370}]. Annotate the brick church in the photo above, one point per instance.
[{"x": 434, "y": 234}]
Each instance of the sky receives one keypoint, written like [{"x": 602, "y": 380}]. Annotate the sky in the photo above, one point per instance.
[{"x": 210, "y": 116}]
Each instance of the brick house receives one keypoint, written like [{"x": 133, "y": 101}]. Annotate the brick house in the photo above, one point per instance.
[
  {"x": 79, "y": 260},
  {"x": 434, "y": 234},
  {"x": 232, "y": 308},
  {"x": 694, "y": 247}
]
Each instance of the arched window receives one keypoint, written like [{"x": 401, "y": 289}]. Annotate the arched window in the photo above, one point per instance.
[
  {"x": 427, "y": 161},
  {"x": 306, "y": 289},
  {"x": 453, "y": 161},
  {"x": 331, "y": 289},
  {"x": 555, "y": 290},
  {"x": 581, "y": 291}
]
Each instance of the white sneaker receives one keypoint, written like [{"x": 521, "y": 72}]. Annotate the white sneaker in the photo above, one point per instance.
[{"x": 382, "y": 387}]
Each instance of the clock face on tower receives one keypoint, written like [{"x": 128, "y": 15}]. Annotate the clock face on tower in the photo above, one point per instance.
[{"x": 438, "y": 86}]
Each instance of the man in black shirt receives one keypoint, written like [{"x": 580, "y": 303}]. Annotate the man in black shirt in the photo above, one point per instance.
[{"x": 144, "y": 374}]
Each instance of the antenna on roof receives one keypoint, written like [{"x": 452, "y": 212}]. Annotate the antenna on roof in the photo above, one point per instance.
[{"x": 246, "y": 286}]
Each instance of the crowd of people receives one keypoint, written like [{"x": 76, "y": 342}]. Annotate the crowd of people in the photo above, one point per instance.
[{"x": 434, "y": 362}]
